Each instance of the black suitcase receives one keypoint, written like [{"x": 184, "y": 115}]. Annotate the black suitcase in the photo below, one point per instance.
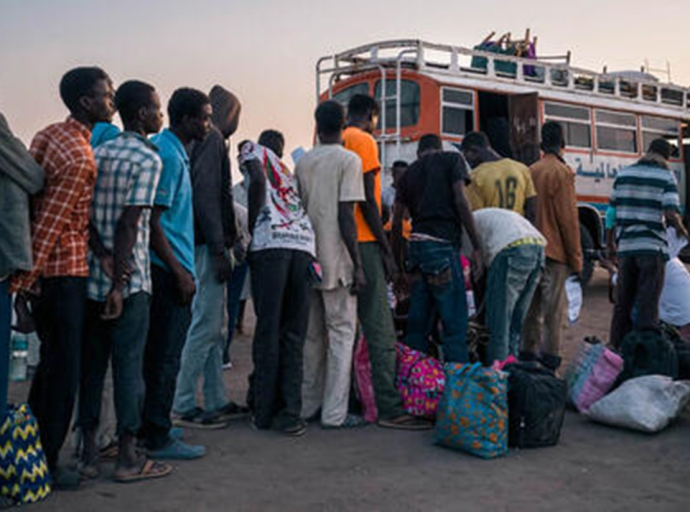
[{"x": 536, "y": 406}]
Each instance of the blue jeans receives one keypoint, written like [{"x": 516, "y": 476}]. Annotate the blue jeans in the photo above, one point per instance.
[
  {"x": 5, "y": 329},
  {"x": 438, "y": 286},
  {"x": 203, "y": 350},
  {"x": 512, "y": 278},
  {"x": 235, "y": 287}
]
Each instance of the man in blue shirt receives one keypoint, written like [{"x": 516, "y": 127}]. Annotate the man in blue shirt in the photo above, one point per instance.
[{"x": 172, "y": 272}]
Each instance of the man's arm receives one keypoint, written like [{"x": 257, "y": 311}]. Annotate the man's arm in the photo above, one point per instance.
[
  {"x": 397, "y": 241},
  {"x": 370, "y": 212},
  {"x": 208, "y": 196},
  {"x": 569, "y": 223},
  {"x": 257, "y": 191},
  {"x": 348, "y": 232},
  {"x": 465, "y": 215},
  {"x": 531, "y": 209},
  {"x": 160, "y": 244},
  {"x": 125, "y": 237}
]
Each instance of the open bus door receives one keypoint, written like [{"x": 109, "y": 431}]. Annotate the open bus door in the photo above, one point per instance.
[{"x": 523, "y": 111}]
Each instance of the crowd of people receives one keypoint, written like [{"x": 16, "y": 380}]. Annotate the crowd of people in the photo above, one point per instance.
[{"x": 126, "y": 248}]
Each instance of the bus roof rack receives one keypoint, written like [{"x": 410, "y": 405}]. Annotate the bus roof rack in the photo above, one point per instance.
[{"x": 547, "y": 72}]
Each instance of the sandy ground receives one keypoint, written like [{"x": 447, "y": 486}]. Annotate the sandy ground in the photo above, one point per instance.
[{"x": 593, "y": 467}]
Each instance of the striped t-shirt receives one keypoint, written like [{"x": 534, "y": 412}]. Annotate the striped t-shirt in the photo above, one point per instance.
[{"x": 641, "y": 194}]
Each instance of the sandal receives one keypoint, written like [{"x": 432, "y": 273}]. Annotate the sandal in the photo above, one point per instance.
[
  {"x": 150, "y": 469},
  {"x": 110, "y": 452},
  {"x": 405, "y": 422}
]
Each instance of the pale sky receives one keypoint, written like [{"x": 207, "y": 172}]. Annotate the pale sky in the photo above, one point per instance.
[{"x": 265, "y": 50}]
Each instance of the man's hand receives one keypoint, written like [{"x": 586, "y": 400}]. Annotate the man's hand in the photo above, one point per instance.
[
  {"x": 239, "y": 251},
  {"x": 389, "y": 266},
  {"x": 113, "y": 305},
  {"x": 477, "y": 265},
  {"x": 222, "y": 267},
  {"x": 359, "y": 281},
  {"x": 186, "y": 288},
  {"x": 107, "y": 262},
  {"x": 25, "y": 321}
]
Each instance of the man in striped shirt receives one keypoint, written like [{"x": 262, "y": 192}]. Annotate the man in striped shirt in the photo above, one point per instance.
[{"x": 645, "y": 195}]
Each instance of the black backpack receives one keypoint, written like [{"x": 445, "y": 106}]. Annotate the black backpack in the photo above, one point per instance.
[
  {"x": 536, "y": 406},
  {"x": 682, "y": 348},
  {"x": 648, "y": 352}
]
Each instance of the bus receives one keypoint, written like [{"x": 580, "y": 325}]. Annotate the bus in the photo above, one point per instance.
[{"x": 609, "y": 118}]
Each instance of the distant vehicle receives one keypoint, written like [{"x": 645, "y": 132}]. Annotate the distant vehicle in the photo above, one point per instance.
[{"x": 609, "y": 118}]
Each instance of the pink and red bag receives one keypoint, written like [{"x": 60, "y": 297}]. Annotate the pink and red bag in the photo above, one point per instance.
[{"x": 420, "y": 380}]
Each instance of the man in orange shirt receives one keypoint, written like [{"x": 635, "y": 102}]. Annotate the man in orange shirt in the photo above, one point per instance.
[{"x": 378, "y": 266}]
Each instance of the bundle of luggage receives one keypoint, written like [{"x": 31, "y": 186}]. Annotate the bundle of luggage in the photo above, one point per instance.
[{"x": 484, "y": 410}]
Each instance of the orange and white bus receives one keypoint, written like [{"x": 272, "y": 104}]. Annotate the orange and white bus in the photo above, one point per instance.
[{"x": 609, "y": 118}]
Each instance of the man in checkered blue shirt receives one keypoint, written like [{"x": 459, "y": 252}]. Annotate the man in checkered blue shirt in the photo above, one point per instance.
[{"x": 117, "y": 313}]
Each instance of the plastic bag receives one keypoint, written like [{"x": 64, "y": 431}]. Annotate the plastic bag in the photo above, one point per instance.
[
  {"x": 647, "y": 404},
  {"x": 573, "y": 291},
  {"x": 363, "y": 380}
]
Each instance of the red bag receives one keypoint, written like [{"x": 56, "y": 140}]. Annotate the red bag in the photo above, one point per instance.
[{"x": 363, "y": 380}]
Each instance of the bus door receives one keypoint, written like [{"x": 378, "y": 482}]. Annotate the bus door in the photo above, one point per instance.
[{"x": 523, "y": 111}]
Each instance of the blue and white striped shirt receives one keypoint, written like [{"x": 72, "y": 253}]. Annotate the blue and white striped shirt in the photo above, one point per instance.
[{"x": 641, "y": 194}]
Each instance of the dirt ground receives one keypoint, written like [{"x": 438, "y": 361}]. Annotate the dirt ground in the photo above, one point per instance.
[{"x": 593, "y": 468}]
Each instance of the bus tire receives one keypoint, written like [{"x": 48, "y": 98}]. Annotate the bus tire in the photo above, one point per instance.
[{"x": 588, "y": 255}]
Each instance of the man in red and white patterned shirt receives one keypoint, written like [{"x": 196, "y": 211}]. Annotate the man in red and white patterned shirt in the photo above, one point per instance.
[{"x": 60, "y": 231}]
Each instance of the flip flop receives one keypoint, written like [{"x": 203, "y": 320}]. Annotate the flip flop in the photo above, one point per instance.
[{"x": 150, "y": 469}]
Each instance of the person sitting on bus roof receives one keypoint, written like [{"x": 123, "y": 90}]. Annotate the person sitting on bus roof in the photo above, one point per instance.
[
  {"x": 497, "y": 182},
  {"x": 433, "y": 191},
  {"x": 557, "y": 219}
]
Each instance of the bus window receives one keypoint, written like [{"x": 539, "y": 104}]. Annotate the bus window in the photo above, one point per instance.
[
  {"x": 616, "y": 131},
  {"x": 575, "y": 122},
  {"x": 343, "y": 97},
  {"x": 457, "y": 111},
  {"x": 661, "y": 127},
  {"x": 409, "y": 102}
]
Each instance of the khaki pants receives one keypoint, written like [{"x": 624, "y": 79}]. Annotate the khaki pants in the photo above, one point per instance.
[
  {"x": 328, "y": 352},
  {"x": 549, "y": 306}
]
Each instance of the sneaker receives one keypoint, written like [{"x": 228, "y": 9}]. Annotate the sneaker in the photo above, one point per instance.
[
  {"x": 351, "y": 421},
  {"x": 230, "y": 412},
  {"x": 290, "y": 426},
  {"x": 176, "y": 433},
  {"x": 177, "y": 450},
  {"x": 405, "y": 422},
  {"x": 198, "y": 418}
]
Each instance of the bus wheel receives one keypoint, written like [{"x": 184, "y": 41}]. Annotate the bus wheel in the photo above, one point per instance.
[{"x": 589, "y": 255}]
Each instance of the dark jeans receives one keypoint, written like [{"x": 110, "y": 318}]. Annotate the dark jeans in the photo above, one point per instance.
[
  {"x": 124, "y": 339},
  {"x": 375, "y": 316},
  {"x": 5, "y": 335},
  {"x": 280, "y": 287},
  {"x": 169, "y": 325},
  {"x": 640, "y": 281},
  {"x": 438, "y": 284},
  {"x": 235, "y": 287},
  {"x": 59, "y": 316}
]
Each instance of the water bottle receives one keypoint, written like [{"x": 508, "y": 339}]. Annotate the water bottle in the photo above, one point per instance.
[{"x": 19, "y": 356}]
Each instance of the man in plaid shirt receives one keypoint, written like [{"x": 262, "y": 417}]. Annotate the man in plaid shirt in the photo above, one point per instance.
[
  {"x": 117, "y": 310},
  {"x": 60, "y": 239}
]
